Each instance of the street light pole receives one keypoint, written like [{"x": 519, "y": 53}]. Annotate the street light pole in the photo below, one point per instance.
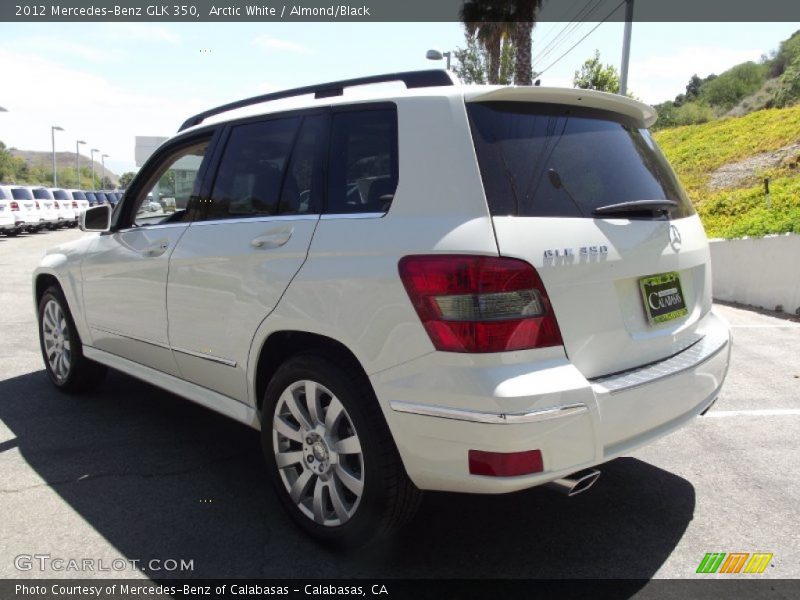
[
  {"x": 78, "y": 163},
  {"x": 53, "y": 129},
  {"x": 103, "y": 172},
  {"x": 93, "y": 150},
  {"x": 626, "y": 48},
  {"x": 439, "y": 55}
]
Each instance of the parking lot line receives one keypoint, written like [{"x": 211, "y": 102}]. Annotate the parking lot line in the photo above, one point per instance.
[{"x": 766, "y": 412}]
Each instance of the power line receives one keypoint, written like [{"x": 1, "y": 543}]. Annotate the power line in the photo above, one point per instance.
[
  {"x": 569, "y": 29},
  {"x": 608, "y": 16}
]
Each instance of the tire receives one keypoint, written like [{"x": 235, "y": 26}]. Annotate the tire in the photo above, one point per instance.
[
  {"x": 68, "y": 369},
  {"x": 347, "y": 499},
  {"x": 10, "y": 233}
]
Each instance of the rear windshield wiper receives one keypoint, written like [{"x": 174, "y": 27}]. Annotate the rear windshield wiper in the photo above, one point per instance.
[{"x": 655, "y": 208}]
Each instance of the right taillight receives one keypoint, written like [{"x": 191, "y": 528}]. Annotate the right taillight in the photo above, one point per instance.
[
  {"x": 74, "y": 204},
  {"x": 37, "y": 206},
  {"x": 480, "y": 303},
  {"x": 14, "y": 206}
]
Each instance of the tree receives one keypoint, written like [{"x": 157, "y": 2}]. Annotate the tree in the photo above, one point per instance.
[
  {"x": 594, "y": 76},
  {"x": 490, "y": 22},
  {"x": 472, "y": 63},
  {"x": 126, "y": 178},
  {"x": 525, "y": 16}
]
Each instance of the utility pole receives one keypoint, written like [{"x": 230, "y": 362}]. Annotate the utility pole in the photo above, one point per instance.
[{"x": 626, "y": 48}]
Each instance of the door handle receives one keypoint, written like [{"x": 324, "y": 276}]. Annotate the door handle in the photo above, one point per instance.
[
  {"x": 156, "y": 249},
  {"x": 272, "y": 239}
]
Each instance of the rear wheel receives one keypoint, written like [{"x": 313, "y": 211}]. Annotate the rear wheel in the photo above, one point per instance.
[
  {"x": 332, "y": 459},
  {"x": 67, "y": 367},
  {"x": 11, "y": 233}
]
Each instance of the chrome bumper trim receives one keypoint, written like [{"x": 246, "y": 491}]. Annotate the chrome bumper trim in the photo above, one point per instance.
[
  {"x": 476, "y": 416},
  {"x": 691, "y": 357}
]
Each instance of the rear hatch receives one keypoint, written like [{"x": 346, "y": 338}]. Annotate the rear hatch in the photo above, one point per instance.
[{"x": 584, "y": 195}]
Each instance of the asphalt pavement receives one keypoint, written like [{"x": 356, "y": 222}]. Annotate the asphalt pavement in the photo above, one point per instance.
[{"x": 131, "y": 472}]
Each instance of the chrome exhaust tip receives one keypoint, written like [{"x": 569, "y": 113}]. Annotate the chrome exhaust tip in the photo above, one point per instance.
[{"x": 574, "y": 484}]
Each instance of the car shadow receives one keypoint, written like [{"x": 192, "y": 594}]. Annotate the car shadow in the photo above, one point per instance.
[{"x": 160, "y": 477}]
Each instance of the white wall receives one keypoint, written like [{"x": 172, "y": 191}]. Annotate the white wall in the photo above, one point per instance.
[{"x": 761, "y": 272}]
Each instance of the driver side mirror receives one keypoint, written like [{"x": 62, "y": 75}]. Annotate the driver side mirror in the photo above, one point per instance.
[{"x": 96, "y": 218}]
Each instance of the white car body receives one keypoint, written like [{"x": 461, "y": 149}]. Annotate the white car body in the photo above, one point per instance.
[
  {"x": 66, "y": 206},
  {"x": 28, "y": 212},
  {"x": 9, "y": 221},
  {"x": 79, "y": 201},
  {"x": 191, "y": 307},
  {"x": 47, "y": 206}
]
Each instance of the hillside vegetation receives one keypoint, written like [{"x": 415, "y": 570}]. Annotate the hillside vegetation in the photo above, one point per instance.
[{"x": 740, "y": 209}]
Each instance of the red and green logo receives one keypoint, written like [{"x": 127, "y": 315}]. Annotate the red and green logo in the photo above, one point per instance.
[{"x": 734, "y": 562}]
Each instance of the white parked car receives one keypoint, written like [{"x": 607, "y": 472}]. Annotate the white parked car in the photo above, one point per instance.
[
  {"x": 79, "y": 199},
  {"x": 11, "y": 222},
  {"x": 468, "y": 289},
  {"x": 29, "y": 211},
  {"x": 47, "y": 205},
  {"x": 66, "y": 206}
]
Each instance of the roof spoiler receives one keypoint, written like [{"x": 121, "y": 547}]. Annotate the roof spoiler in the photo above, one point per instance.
[{"x": 412, "y": 79}]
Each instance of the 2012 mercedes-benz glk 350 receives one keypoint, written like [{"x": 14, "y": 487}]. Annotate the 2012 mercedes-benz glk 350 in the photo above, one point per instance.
[{"x": 470, "y": 289}]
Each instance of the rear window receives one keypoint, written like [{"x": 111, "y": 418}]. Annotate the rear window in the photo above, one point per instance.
[
  {"x": 90, "y": 197},
  {"x": 78, "y": 196},
  {"x": 600, "y": 158},
  {"x": 21, "y": 194},
  {"x": 60, "y": 195},
  {"x": 42, "y": 194},
  {"x": 100, "y": 196}
]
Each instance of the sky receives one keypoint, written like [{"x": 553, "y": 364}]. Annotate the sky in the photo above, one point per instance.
[{"x": 106, "y": 83}]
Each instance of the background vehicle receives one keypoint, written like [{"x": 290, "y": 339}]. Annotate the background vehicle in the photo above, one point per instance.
[
  {"x": 79, "y": 199},
  {"x": 8, "y": 224},
  {"x": 66, "y": 206},
  {"x": 540, "y": 307},
  {"x": 92, "y": 198},
  {"x": 47, "y": 205},
  {"x": 34, "y": 215}
]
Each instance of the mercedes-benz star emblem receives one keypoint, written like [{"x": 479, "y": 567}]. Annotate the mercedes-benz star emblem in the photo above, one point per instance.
[{"x": 674, "y": 238}]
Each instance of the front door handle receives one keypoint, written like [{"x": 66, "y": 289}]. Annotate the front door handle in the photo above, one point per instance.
[
  {"x": 273, "y": 239},
  {"x": 156, "y": 249}
]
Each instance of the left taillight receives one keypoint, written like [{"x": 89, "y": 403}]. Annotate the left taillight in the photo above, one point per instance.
[
  {"x": 14, "y": 206},
  {"x": 55, "y": 205},
  {"x": 37, "y": 206},
  {"x": 480, "y": 303},
  {"x": 74, "y": 204}
]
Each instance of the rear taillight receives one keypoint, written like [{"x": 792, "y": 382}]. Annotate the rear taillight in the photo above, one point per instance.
[
  {"x": 55, "y": 204},
  {"x": 14, "y": 206},
  {"x": 37, "y": 206},
  {"x": 480, "y": 303},
  {"x": 74, "y": 204}
]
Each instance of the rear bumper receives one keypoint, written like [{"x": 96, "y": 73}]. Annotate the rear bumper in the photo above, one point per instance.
[{"x": 438, "y": 412}]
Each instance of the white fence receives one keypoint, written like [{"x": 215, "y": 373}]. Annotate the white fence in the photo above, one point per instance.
[{"x": 763, "y": 272}]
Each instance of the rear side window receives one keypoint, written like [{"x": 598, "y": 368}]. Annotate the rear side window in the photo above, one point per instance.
[
  {"x": 42, "y": 194},
  {"x": 363, "y": 166},
  {"x": 600, "y": 160},
  {"x": 248, "y": 182},
  {"x": 60, "y": 195},
  {"x": 21, "y": 194}
]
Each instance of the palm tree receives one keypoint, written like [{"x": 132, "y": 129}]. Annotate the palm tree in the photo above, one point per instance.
[
  {"x": 525, "y": 17},
  {"x": 494, "y": 21},
  {"x": 490, "y": 21}
]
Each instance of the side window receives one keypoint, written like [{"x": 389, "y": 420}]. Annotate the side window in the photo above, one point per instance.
[
  {"x": 301, "y": 193},
  {"x": 248, "y": 182},
  {"x": 171, "y": 191},
  {"x": 363, "y": 161}
]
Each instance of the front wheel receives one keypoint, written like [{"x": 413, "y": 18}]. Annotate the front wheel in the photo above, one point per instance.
[
  {"x": 62, "y": 351},
  {"x": 332, "y": 459}
]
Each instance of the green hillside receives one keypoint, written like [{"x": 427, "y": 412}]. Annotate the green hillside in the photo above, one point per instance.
[{"x": 738, "y": 207}]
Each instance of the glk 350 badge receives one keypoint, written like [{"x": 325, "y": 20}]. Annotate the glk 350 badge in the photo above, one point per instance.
[{"x": 582, "y": 251}]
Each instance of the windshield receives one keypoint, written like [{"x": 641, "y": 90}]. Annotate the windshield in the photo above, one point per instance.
[
  {"x": 540, "y": 160},
  {"x": 21, "y": 194}
]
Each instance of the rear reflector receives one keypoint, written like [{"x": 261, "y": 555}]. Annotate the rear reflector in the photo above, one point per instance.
[
  {"x": 501, "y": 464},
  {"x": 479, "y": 303}
]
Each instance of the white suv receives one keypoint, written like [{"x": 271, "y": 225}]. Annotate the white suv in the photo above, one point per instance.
[{"x": 469, "y": 289}]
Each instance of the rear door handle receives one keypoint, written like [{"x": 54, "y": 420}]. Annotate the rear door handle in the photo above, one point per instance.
[
  {"x": 272, "y": 239},
  {"x": 156, "y": 249}
]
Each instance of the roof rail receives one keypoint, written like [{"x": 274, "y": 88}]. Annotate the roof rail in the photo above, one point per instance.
[{"x": 412, "y": 79}]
